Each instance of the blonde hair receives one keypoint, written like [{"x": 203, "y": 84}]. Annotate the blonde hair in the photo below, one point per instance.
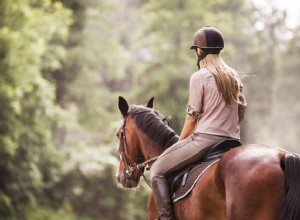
[{"x": 226, "y": 77}]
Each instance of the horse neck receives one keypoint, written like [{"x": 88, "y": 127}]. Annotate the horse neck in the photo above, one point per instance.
[
  {"x": 149, "y": 148},
  {"x": 149, "y": 142}
]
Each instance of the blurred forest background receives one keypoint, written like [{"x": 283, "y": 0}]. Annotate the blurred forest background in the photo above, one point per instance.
[{"x": 63, "y": 64}]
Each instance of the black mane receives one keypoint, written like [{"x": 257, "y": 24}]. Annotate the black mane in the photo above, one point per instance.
[{"x": 152, "y": 123}]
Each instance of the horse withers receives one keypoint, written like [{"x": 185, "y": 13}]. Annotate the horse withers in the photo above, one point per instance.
[{"x": 254, "y": 182}]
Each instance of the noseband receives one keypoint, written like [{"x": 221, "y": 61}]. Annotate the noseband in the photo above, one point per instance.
[{"x": 129, "y": 169}]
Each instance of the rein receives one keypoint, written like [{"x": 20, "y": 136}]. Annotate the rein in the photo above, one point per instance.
[
  {"x": 147, "y": 166},
  {"x": 129, "y": 169}
]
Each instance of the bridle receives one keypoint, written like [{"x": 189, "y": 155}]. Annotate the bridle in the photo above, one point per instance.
[{"x": 129, "y": 168}]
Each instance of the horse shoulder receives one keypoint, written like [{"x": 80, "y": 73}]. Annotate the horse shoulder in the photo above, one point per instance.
[{"x": 152, "y": 212}]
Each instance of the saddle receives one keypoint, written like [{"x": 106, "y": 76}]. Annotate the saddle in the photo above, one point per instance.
[{"x": 183, "y": 181}]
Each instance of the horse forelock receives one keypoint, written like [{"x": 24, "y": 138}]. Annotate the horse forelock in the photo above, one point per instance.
[{"x": 151, "y": 122}]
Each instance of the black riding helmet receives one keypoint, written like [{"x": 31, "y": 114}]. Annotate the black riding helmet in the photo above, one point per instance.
[{"x": 209, "y": 39}]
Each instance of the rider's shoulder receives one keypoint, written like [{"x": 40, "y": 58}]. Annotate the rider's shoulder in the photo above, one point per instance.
[{"x": 201, "y": 74}]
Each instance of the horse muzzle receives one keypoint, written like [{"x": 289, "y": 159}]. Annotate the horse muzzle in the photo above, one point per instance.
[{"x": 127, "y": 179}]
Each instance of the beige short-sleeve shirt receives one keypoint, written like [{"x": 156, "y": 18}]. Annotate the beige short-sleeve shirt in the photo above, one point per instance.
[{"x": 207, "y": 103}]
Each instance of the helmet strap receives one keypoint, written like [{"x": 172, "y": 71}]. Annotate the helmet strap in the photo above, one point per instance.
[
  {"x": 198, "y": 63},
  {"x": 200, "y": 57}
]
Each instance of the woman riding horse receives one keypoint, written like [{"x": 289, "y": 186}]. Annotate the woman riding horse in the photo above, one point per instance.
[
  {"x": 248, "y": 182},
  {"x": 216, "y": 105}
]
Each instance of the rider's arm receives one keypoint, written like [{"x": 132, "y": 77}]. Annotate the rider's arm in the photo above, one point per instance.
[
  {"x": 189, "y": 125},
  {"x": 194, "y": 105}
]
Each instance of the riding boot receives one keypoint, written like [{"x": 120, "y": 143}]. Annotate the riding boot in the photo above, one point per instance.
[{"x": 162, "y": 199}]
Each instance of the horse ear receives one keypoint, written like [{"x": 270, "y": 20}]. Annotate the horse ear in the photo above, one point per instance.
[
  {"x": 150, "y": 103},
  {"x": 123, "y": 106}
]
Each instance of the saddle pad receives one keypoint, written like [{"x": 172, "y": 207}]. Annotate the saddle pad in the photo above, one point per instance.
[{"x": 192, "y": 177}]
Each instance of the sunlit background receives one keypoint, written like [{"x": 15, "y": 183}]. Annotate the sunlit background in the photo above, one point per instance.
[{"x": 63, "y": 64}]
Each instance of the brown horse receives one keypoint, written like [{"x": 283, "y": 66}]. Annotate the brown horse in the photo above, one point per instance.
[{"x": 254, "y": 182}]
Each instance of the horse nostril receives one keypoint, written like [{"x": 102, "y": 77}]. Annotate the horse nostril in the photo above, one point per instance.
[{"x": 118, "y": 176}]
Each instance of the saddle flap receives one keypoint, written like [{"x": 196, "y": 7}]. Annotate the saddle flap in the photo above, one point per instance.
[{"x": 182, "y": 181}]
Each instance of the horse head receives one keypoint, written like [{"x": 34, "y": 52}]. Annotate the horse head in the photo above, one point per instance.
[
  {"x": 129, "y": 147},
  {"x": 143, "y": 135}
]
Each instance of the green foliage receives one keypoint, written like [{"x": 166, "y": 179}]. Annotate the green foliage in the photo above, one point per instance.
[
  {"x": 46, "y": 213},
  {"x": 27, "y": 99},
  {"x": 269, "y": 84}
]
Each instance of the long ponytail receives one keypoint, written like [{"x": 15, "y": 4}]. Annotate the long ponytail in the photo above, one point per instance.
[{"x": 226, "y": 77}]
